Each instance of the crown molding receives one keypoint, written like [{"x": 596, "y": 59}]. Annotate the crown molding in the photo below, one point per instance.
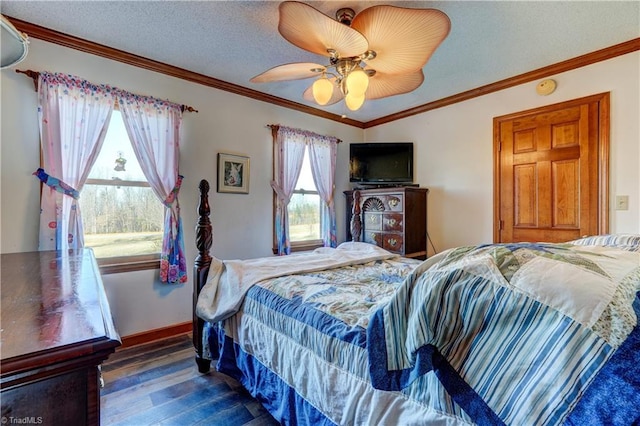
[
  {"x": 61, "y": 39},
  {"x": 544, "y": 72},
  {"x": 52, "y": 36}
]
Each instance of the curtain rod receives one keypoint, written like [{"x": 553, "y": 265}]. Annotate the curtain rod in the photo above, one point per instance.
[
  {"x": 35, "y": 74},
  {"x": 275, "y": 127}
]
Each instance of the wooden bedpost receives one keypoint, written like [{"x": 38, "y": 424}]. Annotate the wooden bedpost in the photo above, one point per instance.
[
  {"x": 356, "y": 221},
  {"x": 204, "y": 239}
]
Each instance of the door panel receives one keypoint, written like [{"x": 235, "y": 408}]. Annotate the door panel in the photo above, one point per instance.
[
  {"x": 551, "y": 172},
  {"x": 525, "y": 183},
  {"x": 566, "y": 196}
]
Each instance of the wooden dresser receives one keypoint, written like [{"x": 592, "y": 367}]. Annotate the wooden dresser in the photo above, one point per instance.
[
  {"x": 56, "y": 331},
  {"x": 392, "y": 218}
]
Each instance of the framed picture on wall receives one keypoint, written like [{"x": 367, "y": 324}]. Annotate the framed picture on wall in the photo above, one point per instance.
[{"x": 233, "y": 173}]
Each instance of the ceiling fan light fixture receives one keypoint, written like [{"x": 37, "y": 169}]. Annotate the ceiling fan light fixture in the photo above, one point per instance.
[
  {"x": 379, "y": 52},
  {"x": 357, "y": 82},
  {"x": 322, "y": 90},
  {"x": 353, "y": 102}
]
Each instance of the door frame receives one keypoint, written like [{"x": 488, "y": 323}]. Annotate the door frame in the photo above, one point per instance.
[{"x": 603, "y": 138}]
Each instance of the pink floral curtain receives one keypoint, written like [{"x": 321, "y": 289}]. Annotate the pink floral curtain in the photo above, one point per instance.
[
  {"x": 153, "y": 126},
  {"x": 288, "y": 153},
  {"x": 73, "y": 117}
]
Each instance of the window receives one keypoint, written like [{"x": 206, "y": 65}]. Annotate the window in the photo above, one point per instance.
[
  {"x": 304, "y": 210},
  {"x": 303, "y": 215},
  {"x": 122, "y": 218}
]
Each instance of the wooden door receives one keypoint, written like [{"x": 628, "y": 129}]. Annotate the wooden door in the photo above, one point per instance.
[{"x": 551, "y": 172}]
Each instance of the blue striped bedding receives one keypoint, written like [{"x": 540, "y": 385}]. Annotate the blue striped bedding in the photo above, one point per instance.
[{"x": 496, "y": 334}]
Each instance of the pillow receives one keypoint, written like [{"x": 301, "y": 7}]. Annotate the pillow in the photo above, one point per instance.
[{"x": 629, "y": 242}]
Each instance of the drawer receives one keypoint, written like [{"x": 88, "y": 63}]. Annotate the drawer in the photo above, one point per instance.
[
  {"x": 393, "y": 242},
  {"x": 373, "y": 238},
  {"x": 393, "y": 222},
  {"x": 372, "y": 221},
  {"x": 394, "y": 203}
]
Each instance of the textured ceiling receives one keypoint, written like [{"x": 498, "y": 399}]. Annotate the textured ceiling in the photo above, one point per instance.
[{"x": 236, "y": 40}]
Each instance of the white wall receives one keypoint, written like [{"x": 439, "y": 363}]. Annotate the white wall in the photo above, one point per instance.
[
  {"x": 454, "y": 148},
  {"x": 225, "y": 123}
]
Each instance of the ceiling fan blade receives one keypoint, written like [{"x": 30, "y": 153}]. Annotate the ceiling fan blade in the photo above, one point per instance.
[
  {"x": 382, "y": 85},
  {"x": 403, "y": 39},
  {"x": 335, "y": 97},
  {"x": 292, "y": 71},
  {"x": 312, "y": 30}
]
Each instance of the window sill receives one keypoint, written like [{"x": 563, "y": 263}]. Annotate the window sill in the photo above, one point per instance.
[
  {"x": 117, "y": 265},
  {"x": 303, "y": 246}
]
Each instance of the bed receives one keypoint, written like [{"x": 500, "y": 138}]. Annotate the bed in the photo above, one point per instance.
[{"x": 522, "y": 334}]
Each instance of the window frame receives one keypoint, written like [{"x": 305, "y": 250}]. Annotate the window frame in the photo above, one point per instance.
[
  {"x": 296, "y": 246},
  {"x": 307, "y": 244},
  {"x": 119, "y": 264}
]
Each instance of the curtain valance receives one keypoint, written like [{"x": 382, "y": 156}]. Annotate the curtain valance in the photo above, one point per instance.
[
  {"x": 292, "y": 131},
  {"x": 96, "y": 89}
]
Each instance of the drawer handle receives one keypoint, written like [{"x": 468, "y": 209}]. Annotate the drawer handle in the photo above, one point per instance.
[
  {"x": 392, "y": 222},
  {"x": 393, "y": 202},
  {"x": 372, "y": 219},
  {"x": 393, "y": 242}
]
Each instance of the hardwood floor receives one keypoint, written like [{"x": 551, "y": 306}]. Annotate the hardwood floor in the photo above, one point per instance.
[{"x": 158, "y": 384}]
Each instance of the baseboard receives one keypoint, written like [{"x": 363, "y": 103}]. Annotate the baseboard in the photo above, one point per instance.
[{"x": 156, "y": 334}]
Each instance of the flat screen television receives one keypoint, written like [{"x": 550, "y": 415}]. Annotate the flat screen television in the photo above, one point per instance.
[{"x": 381, "y": 163}]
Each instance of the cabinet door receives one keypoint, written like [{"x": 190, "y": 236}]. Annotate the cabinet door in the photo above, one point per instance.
[
  {"x": 373, "y": 238},
  {"x": 372, "y": 221},
  {"x": 393, "y": 222},
  {"x": 394, "y": 203},
  {"x": 394, "y": 243}
]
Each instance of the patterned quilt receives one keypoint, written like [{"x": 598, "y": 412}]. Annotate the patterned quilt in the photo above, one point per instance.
[
  {"x": 350, "y": 293},
  {"x": 230, "y": 280},
  {"x": 515, "y": 333},
  {"x": 519, "y": 334},
  {"x": 298, "y": 344}
]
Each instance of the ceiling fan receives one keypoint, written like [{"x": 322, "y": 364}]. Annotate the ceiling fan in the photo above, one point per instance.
[
  {"x": 377, "y": 53},
  {"x": 15, "y": 45}
]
